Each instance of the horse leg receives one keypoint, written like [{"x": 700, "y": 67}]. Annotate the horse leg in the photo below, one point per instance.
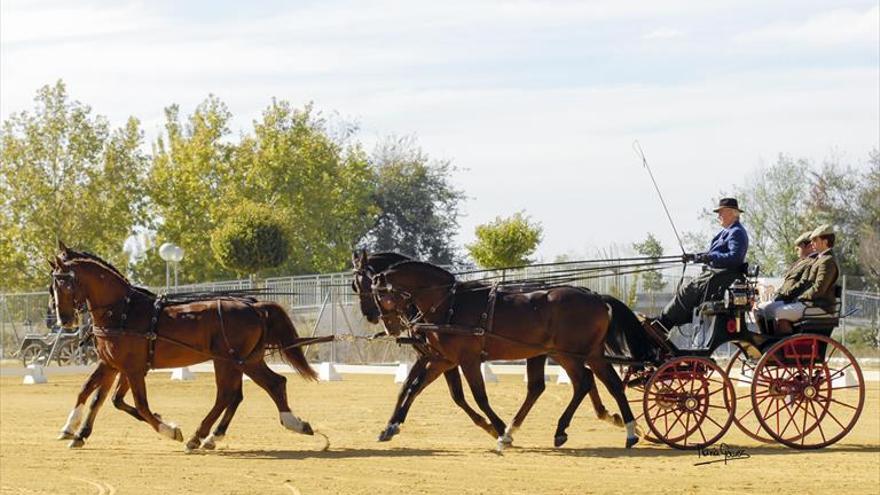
[
  {"x": 86, "y": 429},
  {"x": 433, "y": 368},
  {"x": 475, "y": 381},
  {"x": 139, "y": 391},
  {"x": 276, "y": 386},
  {"x": 416, "y": 373},
  {"x": 456, "y": 391},
  {"x": 236, "y": 397},
  {"x": 228, "y": 380},
  {"x": 609, "y": 377},
  {"x": 599, "y": 407},
  {"x": 535, "y": 374},
  {"x": 582, "y": 382},
  {"x": 74, "y": 419}
]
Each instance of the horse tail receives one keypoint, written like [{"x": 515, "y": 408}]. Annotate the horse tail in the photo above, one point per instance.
[
  {"x": 282, "y": 334},
  {"x": 626, "y": 337}
]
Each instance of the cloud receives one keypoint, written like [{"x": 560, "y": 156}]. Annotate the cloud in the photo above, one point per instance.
[
  {"x": 837, "y": 27},
  {"x": 663, "y": 34}
]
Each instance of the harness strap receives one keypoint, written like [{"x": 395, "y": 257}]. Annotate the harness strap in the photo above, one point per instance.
[{"x": 486, "y": 320}]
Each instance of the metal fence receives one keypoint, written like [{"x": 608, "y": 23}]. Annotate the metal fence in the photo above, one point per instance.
[{"x": 325, "y": 305}]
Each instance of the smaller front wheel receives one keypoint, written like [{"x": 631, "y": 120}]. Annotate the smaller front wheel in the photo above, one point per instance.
[{"x": 689, "y": 403}]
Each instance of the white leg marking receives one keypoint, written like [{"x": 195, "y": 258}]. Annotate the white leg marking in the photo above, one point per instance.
[
  {"x": 74, "y": 419},
  {"x": 631, "y": 429},
  {"x": 168, "y": 430},
  {"x": 507, "y": 438},
  {"x": 291, "y": 422}
]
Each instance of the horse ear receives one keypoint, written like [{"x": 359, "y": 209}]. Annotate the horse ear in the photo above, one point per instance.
[
  {"x": 355, "y": 258},
  {"x": 363, "y": 256},
  {"x": 52, "y": 263},
  {"x": 58, "y": 262},
  {"x": 62, "y": 247}
]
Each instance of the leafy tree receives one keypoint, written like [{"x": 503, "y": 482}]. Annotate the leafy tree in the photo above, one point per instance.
[
  {"x": 868, "y": 218},
  {"x": 776, "y": 215},
  {"x": 320, "y": 184},
  {"x": 652, "y": 280},
  {"x": 506, "y": 242},
  {"x": 251, "y": 241},
  {"x": 418, "y": 206},
  {"x": 66, "y": 174},
  {"x": 188, "y": 186}
]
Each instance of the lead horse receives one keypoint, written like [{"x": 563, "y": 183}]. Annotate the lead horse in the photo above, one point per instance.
[
  {"x": 467, "y": 323},
  {"x": 134, "y": 334}
]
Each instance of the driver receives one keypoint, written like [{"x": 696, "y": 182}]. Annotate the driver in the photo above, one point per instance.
[{"x": 723, "y": 265}]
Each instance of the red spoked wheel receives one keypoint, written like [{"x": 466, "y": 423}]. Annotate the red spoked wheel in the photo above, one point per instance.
[
  {"x": 741, "y": 371},
  {"x": 808, "y": 391},
  {"x": 689, "y": 403}
]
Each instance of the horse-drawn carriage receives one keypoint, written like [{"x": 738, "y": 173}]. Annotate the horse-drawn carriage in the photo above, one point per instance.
[
  {"x": 803, "y": 390},
  {"x": 64, "y": 347}
]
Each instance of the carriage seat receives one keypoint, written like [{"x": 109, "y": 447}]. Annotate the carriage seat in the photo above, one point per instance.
[{"x": 816, "y": 320}]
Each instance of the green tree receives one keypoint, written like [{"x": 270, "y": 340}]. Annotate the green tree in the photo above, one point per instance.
[
  {"x": 868, "y": 220},
  {"x": 66, "y": 174},
  {"x": 418, "y": 205},
  {"x": 774, "y": 200},
  {"x": 652, "y": 280},
  {"x": 506, "y": 242},
  {"x": 319, "y": 182},
  {"x": 252, "y": 241},
  {"x": 188, "y": 186}
]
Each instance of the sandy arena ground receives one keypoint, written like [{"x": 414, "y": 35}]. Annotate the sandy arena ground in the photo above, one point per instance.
[{"x": 438, "y": 450}]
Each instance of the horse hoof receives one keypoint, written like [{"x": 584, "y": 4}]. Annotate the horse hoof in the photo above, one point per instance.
[
  {"x": 65, "y": 435},
  {"x": 178, "y": 435},
  {"x": 617, "y": 420},
  {"x": 559, "y": 440},
  {"x": 307, "y": 429},
  {"x": 76, "y": 443},
  {"x": 389, "y": 432},
  {"x": 506, "y": 439},
  {"x": 192, "y": 444},
  {"x": 631, "y": 441},
  {"x": 209, "y": 444}
]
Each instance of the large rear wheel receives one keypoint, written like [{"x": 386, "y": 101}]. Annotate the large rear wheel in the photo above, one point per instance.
[
  {"x": 808, "y": 391},
  {"x": 689, "y": 403}
]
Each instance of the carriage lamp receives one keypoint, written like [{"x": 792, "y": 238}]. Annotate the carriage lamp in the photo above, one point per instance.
[{"x": 171, "y": 253}]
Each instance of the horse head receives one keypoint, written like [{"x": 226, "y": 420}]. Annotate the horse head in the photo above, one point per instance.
[
  {"x": 83, "y": 279},
  {"x": 365, "y": 267}
]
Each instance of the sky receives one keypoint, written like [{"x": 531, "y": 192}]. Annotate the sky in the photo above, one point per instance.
[{"x": 536, "y": 103}]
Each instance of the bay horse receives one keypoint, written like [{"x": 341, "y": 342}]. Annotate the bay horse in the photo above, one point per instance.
[
  {"x": 472, "y": 322},
  {"x": 365, "y": 267},
  {"x": 134, "y": 334}
]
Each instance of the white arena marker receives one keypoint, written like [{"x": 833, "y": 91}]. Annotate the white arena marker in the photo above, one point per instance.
[
  {"x": 562, "y": 377},
  {"x": 327, "y": 373},
  {"x": 183, "y": 374},
  {"x": 34, "y": 375},
  {"x": 402, "y": 372},
  {"x": 488, "y": 374}
]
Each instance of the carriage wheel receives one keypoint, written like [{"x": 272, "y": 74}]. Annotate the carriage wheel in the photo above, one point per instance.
[
  {"x": 689, "y": 403},
  {"x": 68, "y": 354},
  {"x": 741, "y": 370},
  {"x": 808, "y": 391},
  {"x": 32, "y": 354}
]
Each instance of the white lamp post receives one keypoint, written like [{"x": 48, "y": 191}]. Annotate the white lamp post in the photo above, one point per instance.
[{"x": 171, "y": 253}]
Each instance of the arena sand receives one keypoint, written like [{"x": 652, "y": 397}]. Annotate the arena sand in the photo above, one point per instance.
[{"x": 438, "y": 450}]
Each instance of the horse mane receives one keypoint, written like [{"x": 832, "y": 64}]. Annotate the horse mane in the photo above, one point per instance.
[
  {"x": 432, "y": 267},
  {"x": 87, "y": 256},
  {"x": 380, "y": 262}
]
